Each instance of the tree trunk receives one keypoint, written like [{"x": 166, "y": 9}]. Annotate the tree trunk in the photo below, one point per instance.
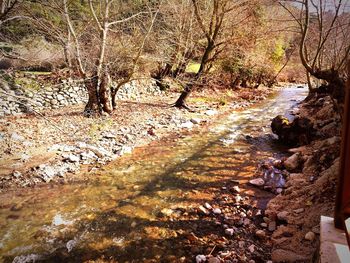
[
  {"x": 92, "y": 108},
  {"x": 309, "y": 83},
  {"x": 105, "y": 94},
  {"x": 181, "y": 101}
]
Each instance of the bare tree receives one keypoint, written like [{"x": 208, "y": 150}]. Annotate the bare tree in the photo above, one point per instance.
[
  {"x": 97, "y": 77},
  {"x": 213, "y": 30},
  {"x": 324, "y": 27}
]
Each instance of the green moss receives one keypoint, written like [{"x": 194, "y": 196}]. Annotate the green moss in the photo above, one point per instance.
[
  {"x": 193, "y": 67},
  {"x": 27, "y": 83}
]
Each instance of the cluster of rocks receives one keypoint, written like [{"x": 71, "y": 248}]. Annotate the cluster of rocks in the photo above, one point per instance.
[
  {"x": 310, "y": 181},
  {"x": 231, "y": 229},
  {"x": 94, "y": 151},
  {"x": 16, "y": 99},
  {"x": 136, "y": 88}
]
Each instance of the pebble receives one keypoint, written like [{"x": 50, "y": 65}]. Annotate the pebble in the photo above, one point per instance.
[
  {"x": 251, "y": 248},
  {"x": 310, "y": 236},
  {"x": 246, "y": 222},
  {"x": 73, "y": 158},
  {"x": 229, "y": 231},
  {"x": 272, "y": 226},
  {"x": 201, "y": 258},
  {"x": 279, "y": 190},
  {"x": 236, "y": 189},
  {"x": 260, "y": 234},
  {"x": 217, "y": 211},
  {"x": 257, "y": 182},
  {"x": 70, "y": 245},
  {"x": 196, "y": 120},
  {"x": 16, "y": 174},
  {"x": 203, "y": 210},
  {"x": 186, "y": 125},
  {"x": 208, "y": 206},
  {"x": 264, "y": 225},
  {"x": 211, "y": 112}
]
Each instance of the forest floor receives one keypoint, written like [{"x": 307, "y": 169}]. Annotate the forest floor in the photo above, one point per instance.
[{"x": 55, "y": 146}]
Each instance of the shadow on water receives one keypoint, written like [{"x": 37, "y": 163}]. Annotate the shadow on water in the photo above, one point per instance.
[{"x": 143, "y": 206}]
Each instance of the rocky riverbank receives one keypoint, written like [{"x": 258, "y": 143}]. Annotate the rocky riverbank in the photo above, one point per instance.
[
  {"x": 308, "y": 187},
  {"x": 60, "y": 145}
]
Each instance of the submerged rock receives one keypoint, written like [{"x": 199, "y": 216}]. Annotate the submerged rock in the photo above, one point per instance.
[{"x": 257, "y": 182}]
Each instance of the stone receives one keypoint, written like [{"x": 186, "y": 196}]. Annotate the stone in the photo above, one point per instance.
[
  {"x": 196, "y": 120},
  {"x": 279, "y": 190},
  {"x": 283, "y": 216},
  {"x": 251, "y": 248},
  {"x": 201, "y": 258},
  {"x": 203, "y": 210},
  {"x": 108, "y": 135},
  {"x": 126, "y": 150},
  {"x": 264, "y": 225},
  {"x": 310, "y": 236},
  {"x": 16, "y": 137},
  {"x": 54, "y": 102},
  {"x": 260, "y": 234},
  {"x": 257, "y": 182},
  {"x": 236, "y": 189},
  {"x": 16, "y": 174},
  {"x": 217, "y": 211},
  {"x": 99, "y": 151},
  {"x": 88, "y": 155},
  {"x": 272, "y": 226},
  {"x": 48, "y": 173},
  {"x": 73, "y": 158},
  {"x": 246, "y": 222},
  {"x": 229, "y": 231},
  {"x": 186, "y": 125},
  {"x": 71, "y": 244},
  {"x": 211, "y": 112},
  {"x": 293, "y": 162},
  {"x": 208, "y": 206}
]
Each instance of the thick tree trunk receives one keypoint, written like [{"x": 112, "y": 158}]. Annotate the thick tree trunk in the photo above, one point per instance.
[
  {"x": 92, "y": 108},
  {"x": 105, "y": 94}
]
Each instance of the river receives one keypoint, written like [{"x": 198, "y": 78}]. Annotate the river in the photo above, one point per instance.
[{"x": 118, "y": 215}]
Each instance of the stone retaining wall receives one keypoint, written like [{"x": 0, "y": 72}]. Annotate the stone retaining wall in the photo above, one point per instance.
[{"x": 16, "y": 100}]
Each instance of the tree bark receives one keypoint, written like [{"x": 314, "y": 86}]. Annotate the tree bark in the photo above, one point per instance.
[
  {"x": 181, "y": 101},
  {"x": 92, "y": 107}
]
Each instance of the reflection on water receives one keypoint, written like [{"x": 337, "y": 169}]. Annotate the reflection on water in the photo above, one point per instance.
[{"x": 117, "y": 213}]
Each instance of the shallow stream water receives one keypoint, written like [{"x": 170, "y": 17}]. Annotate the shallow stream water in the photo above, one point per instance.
[{"x": 115, "y": 215}]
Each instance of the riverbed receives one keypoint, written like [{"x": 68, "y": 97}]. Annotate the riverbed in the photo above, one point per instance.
[{"x": 142, "y": 206}]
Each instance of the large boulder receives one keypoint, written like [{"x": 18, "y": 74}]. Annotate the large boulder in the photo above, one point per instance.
[{"x": 298, "y": 132}]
